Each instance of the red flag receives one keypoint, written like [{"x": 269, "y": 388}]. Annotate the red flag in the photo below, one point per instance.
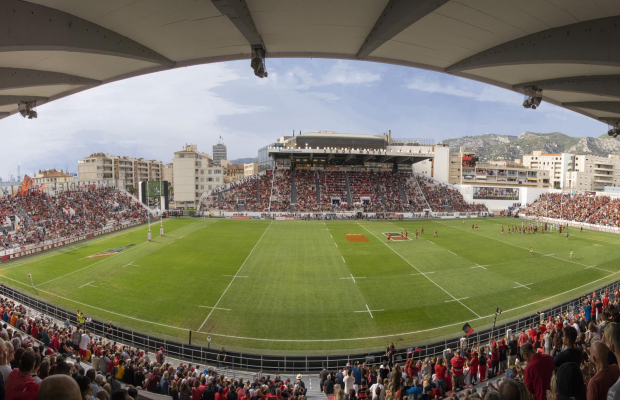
[
  {"x": 42, "y": 187},
  {"x": 26, "y": 184}
]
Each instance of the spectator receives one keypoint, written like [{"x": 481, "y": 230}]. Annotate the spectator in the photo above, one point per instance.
[
  {"x": 537, "y": 374},
  {"x": 570, "y": 353},
  {"x": 21, "y": 384},
  {"x": 606, "y": 375}
]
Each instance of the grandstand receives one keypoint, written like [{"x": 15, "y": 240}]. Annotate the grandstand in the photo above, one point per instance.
[
  {"x": 35, "y": 217},
  {"x": 339, "y": 191}
]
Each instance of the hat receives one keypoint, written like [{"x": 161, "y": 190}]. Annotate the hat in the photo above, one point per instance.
[
  {"x": 299, "y": 376},
  {"x": 161, "y": 348}
]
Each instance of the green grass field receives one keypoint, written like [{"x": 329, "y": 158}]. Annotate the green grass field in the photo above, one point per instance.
[{"x": 302, "y": 287}]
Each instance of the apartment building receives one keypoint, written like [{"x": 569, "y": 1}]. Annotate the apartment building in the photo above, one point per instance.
[
  {"x": 594, "y": 172},
  {"x": 51, "y": 181},
  {"x": 250, "y": 169},
  {"x": 116, "y": 171},
  {"x": 193, "y": 174},
  {"x": 559, "y": 166},
  {"x": 464, "y": 169},
  {"x": 233, "y": 172}
]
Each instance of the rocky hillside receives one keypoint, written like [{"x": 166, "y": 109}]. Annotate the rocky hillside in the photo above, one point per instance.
[{"x": 502, "y": 147}]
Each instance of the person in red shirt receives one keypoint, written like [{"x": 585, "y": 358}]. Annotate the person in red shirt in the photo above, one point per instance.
[
  {"x": 440, "y": 376},
  {"x": 532, "y": 334},
  {"x": 538, "y": 372},
  {"x": 494, "y": 359},
  {"x": 522, "y": 338},
  {"x": 20, "y": 384},
  {"x": 473, "y": 368},
  {"x": 458, "y": 363},
  {"x": 605, "y": 303}
]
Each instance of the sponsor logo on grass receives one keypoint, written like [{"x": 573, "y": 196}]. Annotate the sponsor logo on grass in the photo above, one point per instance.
[{"x": 110, "y": 252}]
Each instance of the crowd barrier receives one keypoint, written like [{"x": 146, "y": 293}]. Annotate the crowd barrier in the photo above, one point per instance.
[
  {"x": 585, "y": 225},
  {"x": 285, "y": 364}
]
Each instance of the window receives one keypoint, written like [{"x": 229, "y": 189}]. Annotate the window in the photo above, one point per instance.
[
  {"x": 210, "y": 172},
  {"x": 196, "y": 187},
  {"x": 202, "y": 187},
  {"x": 202, "y": 172},
  {"x": 202, "y": 179},
  {"x": 181, "y": 155},
  {"x": 217, "y": 179},
  {"x": 210, "y": 187}
]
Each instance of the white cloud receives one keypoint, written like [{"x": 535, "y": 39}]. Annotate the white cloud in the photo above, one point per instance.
[
  {"x": 328, "y": 97},
  {"x": 471, "y": 90},
  {"x": 149, "y": 116},
  {"x": 340, "y": 73}
]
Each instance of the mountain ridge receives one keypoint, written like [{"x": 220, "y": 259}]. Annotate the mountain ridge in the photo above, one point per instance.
[{"x": 490, "y": 146}]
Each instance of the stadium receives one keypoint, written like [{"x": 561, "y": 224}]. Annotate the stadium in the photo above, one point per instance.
[{"x": 366, "y": 255}]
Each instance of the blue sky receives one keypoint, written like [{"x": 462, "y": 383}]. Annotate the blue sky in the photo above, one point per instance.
[{"x": 154, "y": 115}]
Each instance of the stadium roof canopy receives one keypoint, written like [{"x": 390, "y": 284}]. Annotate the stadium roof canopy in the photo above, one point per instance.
[{"x": 568, "y": 49}]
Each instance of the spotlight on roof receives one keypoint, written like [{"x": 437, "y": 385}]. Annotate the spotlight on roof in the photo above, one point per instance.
[
  {"x": 534, "y": 97},
  {"x": 258, "y": 61},
  {"x": 26, "y": 109},
  {"x": 613, "y": 132}
]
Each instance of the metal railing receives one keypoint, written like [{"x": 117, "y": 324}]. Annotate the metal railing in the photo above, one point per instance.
[{"x": 289, "y": 364}]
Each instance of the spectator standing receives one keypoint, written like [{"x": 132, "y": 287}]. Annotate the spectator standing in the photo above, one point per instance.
[
  {"x": 458, "y": 363},
  {"x": 570, "y": 353},
  {"x": 606, "y": 375},
  {"x": 537, "y": 374}
]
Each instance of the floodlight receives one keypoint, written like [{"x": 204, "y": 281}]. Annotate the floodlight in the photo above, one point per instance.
[
  {"x": 534, "y": 97},
  {"x": 26, "y": 109},
  {"x": 258, "y": 61}
]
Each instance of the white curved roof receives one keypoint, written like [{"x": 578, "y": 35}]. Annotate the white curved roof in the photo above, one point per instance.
[{"x": 53, "y": 48}]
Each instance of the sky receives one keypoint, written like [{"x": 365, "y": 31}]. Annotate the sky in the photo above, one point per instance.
[{"x": 154, "y": 115}]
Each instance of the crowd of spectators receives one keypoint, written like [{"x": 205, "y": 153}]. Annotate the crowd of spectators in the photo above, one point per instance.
[
  {"x": 370, "y": 192},
  {"x": 281, "y": 196},
  {"x": 575, "y": 207},
  {"x": 70, "y": 213},
  {"x": 573, "y": 355}
]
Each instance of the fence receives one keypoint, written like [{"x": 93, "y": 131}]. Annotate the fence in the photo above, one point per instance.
[{"x": 277, "y": 364}]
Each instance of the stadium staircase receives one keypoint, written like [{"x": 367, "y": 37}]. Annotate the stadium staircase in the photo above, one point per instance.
[
  {"x": 415, "y": 179},
  {"x": 23, "y": 214},
  {"x": 134, "y": 198},
  {"x": 380, "y": 191},
  {"x": 402, "y": 192},
  {"x": 293, "y": 191},
  {"x": 346, "y": 181},
  {"x": 318, "y": 188}
]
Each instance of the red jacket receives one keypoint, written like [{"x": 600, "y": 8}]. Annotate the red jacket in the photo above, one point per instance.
[
  {"x": 537, "y": 375},
  {"x": 21, "y": 386}
]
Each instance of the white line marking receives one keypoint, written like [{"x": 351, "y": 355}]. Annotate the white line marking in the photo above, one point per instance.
[
  {"x": 600, "y": 269},
  {"x": 369, "y": 311},
  {"x": 596, "y": 244},
  {"x": 233, "y": 279},
  {"x": 215, "y": 308},
  {"x": 423, "y": 273},
  {"x": 524, "y": 286},
  {"x": 430, "y": 242},
  {"x": 336, "y": 244},
  {"x": 432, "y": 281},
  {"x": 479, "y": 266},
  {"x": 448, "y": 301},
  {"x": 90, "y": 265},
  {"x": 343, "y": 260},
  {"x": 349, "y": 339},
  {"x": 512, "y": 244},
  {"x": 86, "y": 284},
  {"x": 351, "y": 277},
  {"x": 232, "y": 276},
  {"x": 127, "y": 265},
  {"x": 453, "y": 253},
  {"x": 548, "y": 255},
  {"x": 171, "y": 242}
]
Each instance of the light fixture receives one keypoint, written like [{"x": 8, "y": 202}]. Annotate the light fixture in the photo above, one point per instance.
[
  {"x": 26, "y": 109},
  {"x": 258, "y": 61},
  {"x": 534, "y": 97}
]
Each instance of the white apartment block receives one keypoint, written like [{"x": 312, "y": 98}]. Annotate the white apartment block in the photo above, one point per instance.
[
  {"x": 193, "y": 174},
  {"x": 559, "y": 166},
  {"x": 594, "y": 172},
  {"x": 250, "y": 169},
  {"x": 578, "y": 172},
  {"x": 115, "y": 171}
]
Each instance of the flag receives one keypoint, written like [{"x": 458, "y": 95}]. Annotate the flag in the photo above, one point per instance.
[
  {"x": 26, "y": 184},
  {"x": 468, "y": 329},
  {"x": 42, "y": 187}
]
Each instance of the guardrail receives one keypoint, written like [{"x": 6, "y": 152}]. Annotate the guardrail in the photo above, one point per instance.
[{"x": 289, "y": 364}]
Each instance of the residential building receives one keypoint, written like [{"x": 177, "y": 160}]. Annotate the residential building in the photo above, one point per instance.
[
  {"x": 250, "y": 169},
  {"x": 52, "y": 181},
  {"x": 559, "y": 166},
  {"x": 115, "y": 171},
  {"x": 193, "y": 174},
  {"x": 233, "y": 172},
  {"x": 168, "y": 174},
  {"x": 466, "y": 170},
  {"x": 594, "y": 173},
  {"x": 219, "y": 153}
]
